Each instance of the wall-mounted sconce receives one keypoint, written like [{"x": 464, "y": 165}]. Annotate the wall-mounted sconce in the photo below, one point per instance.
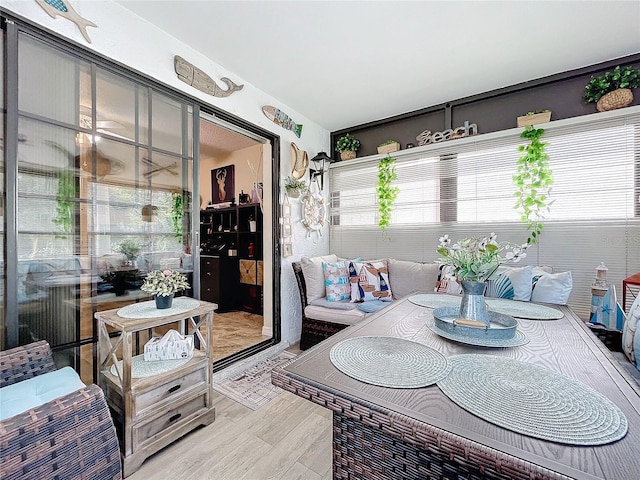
[{"x": 319, "y": 165}]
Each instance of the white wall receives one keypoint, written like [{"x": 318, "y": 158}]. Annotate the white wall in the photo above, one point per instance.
[{"x": 132, "y": 41}]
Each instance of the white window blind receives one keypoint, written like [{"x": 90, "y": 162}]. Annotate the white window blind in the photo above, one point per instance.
[{"x": 464, "y": 187}]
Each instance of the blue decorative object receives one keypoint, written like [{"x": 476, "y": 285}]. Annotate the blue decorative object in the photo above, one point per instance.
[{"x": 163, "y": 303}]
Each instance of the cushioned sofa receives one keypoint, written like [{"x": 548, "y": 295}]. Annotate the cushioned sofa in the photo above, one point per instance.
[
  {"x": 331, "y": 302},
  {"x": 71, "y": 436},
  {"x": 321, "y": 318}
]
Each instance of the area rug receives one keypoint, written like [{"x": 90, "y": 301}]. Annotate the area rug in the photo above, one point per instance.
[{"x": 252, "y": 387}]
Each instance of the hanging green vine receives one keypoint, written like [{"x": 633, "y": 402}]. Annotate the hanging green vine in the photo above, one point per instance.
[
  {"x": 177, "y": 212},
  {"x": 65, "y": 202},
  {"x": 533, "y": 180},
  {"x": 385, "y": 192}
]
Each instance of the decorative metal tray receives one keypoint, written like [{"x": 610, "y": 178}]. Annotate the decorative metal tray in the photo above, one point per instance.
[{"x": 500, "y": 326}]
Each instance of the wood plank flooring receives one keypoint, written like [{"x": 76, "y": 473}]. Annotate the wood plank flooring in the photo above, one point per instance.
[
  {"x": 235, "y": 331},
  {"x": 289, "y": 438}
]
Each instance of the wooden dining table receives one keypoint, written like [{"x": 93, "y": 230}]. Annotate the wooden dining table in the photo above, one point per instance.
[{"x": 387, "y": 433}]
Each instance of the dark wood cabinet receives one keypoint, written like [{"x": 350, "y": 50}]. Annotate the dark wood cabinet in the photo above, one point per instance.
[{"x": 231, "y": 257}]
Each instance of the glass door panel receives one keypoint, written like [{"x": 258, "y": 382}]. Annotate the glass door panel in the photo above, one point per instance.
[{"x": 50, "y": 82}]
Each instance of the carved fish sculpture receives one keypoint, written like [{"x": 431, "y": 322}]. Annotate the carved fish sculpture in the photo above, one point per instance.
[
  {"x": 195, "y": 77},
  {"x": 63, "y": 9},
  {"x": 278, "y": 117}
]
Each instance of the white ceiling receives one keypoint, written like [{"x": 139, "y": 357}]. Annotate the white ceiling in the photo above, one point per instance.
[{"x": 344, "y": 63}]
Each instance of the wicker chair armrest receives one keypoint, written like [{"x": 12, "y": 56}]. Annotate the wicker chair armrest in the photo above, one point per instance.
[
  {"x": 302, "y": 286},
  {"x": 27, "y": 361},
  {"x": 71, "y": 437}
]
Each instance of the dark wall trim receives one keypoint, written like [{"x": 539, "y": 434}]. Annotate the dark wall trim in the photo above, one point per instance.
[{"x": 492, "y": 111}]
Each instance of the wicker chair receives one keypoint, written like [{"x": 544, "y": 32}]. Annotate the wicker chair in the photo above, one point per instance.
[
  {"x": 313, "y": 331},
  {"x": 71, "y": 437}
]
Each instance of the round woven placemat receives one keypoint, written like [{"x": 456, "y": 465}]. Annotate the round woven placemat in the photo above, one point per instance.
[
  {"x": 141, "y": 369},
  {"x": 389, "y": 362},
  {"x": 435, "y": 300},
  {"x": 531, "y": 311},
  {"x": 149, "y": 310},
  {"x": 532, "y": 400},
  {"x": 517, "y": 340}
]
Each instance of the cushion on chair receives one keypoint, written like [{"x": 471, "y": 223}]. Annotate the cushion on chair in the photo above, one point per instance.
[
  {"x": 342, "y": 317},
  {"x": 370, "y": 281},
  {"x": 27, "y": 394},
  {"x": 553, "y": 288},
  {"x": 408, "y": 277},
  {"x": 336, "y": 281},
  {"x": 314, "y": 276},
  {"x": 513, "y": 283}
]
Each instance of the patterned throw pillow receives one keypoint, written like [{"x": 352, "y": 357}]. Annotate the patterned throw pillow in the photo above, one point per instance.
[
  {"x": 369, "y": 281},
  {"x": 336, "y": 281},
  {"x": 511, "y": 283},
  {"x": 447, "y": 282}
]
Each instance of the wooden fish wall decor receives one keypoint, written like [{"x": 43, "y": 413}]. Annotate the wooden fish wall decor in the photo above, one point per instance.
[
  {"x": 195, "y": 77},
  {"x": 280, "y": 118},
  {"x": 63, "y": 9}
]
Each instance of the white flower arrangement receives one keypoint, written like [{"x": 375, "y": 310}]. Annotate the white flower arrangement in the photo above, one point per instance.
[
  {"x": 477, "y": 258},
  {"x": 164, "y": 283}
]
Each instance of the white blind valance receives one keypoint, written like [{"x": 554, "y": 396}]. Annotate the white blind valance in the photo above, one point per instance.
[{"x": 464, "y": 187}]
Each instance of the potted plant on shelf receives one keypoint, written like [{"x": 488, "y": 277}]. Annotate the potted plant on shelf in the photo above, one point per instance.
[
  {"x": 347, "y": 146},
  {"x": 535, "y": 117},
  {"x": 164, "y": 285},
  {"x": 294, "y": 187},
  {"x": 533, "y": 180},
  {"x": 612, "y": 89},
  {"x": 388, "y": 146}
]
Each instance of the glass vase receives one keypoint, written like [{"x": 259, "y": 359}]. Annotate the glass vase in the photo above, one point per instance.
[{"x": 473, "y": 306}]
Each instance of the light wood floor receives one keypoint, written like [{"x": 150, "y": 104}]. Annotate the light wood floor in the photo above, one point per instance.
[
  {"x": 235, "y": 331},
  {"x": 289, "y": 438}
]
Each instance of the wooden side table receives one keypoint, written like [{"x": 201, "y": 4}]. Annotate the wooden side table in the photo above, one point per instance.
[
  {"x": 152, "y": 411},
  {"x": 632, "y": 285}
]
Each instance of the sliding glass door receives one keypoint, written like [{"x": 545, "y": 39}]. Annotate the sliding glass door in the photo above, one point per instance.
[{"x": 104, "y": 188}]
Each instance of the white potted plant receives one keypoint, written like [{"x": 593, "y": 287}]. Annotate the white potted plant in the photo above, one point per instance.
[
  {"x": 164, "y": 284},
  {"x": 294, "y": 187}
]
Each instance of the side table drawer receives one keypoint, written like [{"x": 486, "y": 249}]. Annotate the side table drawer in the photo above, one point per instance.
[
  {"x": 168, "y": 420},
  {"x": 174, "y": 388}
]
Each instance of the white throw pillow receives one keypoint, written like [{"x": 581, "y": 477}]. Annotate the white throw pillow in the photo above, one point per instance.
[
  {"x": 314, "y": 276},
  {"x": 407, "y": 277},
  {"x": 629, "y": 337},
  {"x": 512, "y": 283},
  {"x": 553, "y": 288}
]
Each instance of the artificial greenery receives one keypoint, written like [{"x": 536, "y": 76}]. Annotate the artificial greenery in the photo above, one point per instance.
[
  {"x": 293, "y": 184},
  {"x": 347, "y": 142},
  {"x": 533, "y": 180},
  {"x": 535, "y": 112},
  {"x": 65, "y": 201},
  {"x": 177, "y": 212},
  {"x": 386, "y": 193},
  {"x": 620, "y": 77},
  {"x": 388, "y": 142},
  {"x": 130, "y": 248}
]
